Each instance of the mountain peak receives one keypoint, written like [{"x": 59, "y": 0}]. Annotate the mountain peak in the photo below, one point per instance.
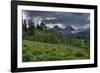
[
  {"x": 69, "y": 28},
  {"x": 56, "y": 27}
]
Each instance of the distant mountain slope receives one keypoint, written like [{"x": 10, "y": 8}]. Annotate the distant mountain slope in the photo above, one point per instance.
[{"x": 71, "y": 31}]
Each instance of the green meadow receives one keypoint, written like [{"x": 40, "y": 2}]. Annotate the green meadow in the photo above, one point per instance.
[{"x": 48, "y": 46}]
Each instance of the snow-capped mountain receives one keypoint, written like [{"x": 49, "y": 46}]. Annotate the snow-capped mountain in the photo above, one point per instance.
[
  {"x": 71, "y": 31},
  {"x": 83, "y": 32},
  {"x": 57, "y": 29},
  {"x": 69, "y": 28}
]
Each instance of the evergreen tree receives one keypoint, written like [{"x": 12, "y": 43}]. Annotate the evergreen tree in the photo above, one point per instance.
[
  {"x": 31, "y": 27},
  {"x": 24, "y": 26},
  {"x": 38, "y": 27}
]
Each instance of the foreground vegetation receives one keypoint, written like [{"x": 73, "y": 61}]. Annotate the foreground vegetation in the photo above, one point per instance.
[
  {"x": 43, "y": 45},
  {"x": 38, "y": 51}
]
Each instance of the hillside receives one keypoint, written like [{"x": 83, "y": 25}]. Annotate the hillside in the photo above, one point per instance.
[
  {"x": 44, "y": 45},
  {"x": 38, "y": 51}
]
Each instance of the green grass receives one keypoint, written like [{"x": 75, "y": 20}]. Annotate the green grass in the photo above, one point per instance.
[{"x": 39, "y": 51}]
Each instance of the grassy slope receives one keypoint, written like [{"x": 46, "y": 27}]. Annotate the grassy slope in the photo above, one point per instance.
[{"x": 39, "y": 51}]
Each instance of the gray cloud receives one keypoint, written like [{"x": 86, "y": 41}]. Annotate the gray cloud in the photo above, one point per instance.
[{"x": 65, "y": 18}]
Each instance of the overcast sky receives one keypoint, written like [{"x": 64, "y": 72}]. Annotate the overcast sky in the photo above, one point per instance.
[{"x": 62, "y": 19}]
